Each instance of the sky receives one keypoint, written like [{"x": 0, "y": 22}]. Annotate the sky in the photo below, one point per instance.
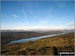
[{"x": 30, "y": 15}]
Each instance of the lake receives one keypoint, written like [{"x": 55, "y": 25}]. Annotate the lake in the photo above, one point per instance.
[{"x": 33, "y": 38}]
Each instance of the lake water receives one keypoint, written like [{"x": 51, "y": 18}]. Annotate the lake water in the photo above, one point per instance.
[{"x": 33, "y": 38}]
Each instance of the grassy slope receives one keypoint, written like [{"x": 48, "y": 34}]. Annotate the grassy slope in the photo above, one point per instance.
[{"x": 47, "y": 46}]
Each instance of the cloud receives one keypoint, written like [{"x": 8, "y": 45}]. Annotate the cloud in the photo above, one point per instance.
[
  {"x": 24, "y": 13},
  {"x": 42, "y": 27},
  {"x": 15, "y": 16},
  {"x": 69, "y": 25}
]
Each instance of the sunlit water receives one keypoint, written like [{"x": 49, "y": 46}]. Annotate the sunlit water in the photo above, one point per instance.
[{"x": 33, "y": 38}]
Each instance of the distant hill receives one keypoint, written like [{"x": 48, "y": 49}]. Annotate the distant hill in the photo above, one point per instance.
[
  {"x": 40, "y": 30},
  {"x": 8, "y": 35}
]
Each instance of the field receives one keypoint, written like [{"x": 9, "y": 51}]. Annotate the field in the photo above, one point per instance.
[{"x": 46, "y": 46}]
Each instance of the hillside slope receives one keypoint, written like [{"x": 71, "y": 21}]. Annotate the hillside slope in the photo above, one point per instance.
[{"x": 46, "y": 46}]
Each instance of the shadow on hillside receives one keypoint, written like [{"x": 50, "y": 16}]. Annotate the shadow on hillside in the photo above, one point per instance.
[{"x": 55, "y": 51}]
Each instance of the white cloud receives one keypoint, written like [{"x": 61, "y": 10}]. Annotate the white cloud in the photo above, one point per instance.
[
  {"x": 43, "y": 26},
  {"x": 34, "y": 27},
  {"x": 24, "y": 13},
  {"x": 15, "y": 16},
  {"x": 69, "y": 25},
  {"x": 39, "y": 27}
]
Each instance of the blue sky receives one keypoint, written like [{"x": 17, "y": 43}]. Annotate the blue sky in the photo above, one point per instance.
[{"x": 22, "y": 15}]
